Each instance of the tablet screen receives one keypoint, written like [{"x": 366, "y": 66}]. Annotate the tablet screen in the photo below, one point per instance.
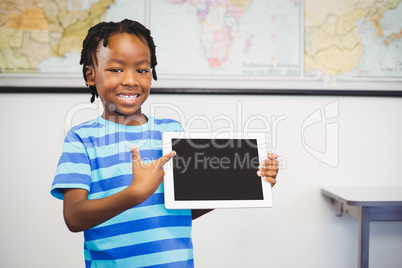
[
  {"x": 220, "y": 169},
  {"x": 215, "y": 172}
]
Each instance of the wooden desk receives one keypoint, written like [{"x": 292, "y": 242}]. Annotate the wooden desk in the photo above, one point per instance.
[{"x": 366, "y": 204}]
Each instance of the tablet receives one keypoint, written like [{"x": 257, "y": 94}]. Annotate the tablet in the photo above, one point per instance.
[{"x": 215, "y": 171}]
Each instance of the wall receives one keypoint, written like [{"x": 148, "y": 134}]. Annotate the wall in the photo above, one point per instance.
[{"x": 301, "y": 230}]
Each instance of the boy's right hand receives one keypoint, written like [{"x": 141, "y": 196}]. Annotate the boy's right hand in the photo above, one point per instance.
[
  {"x": 81, "y": 213},
  {"x": 148, "y": 177}
]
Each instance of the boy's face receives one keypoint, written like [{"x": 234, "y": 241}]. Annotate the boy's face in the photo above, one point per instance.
[{"x": 122, "y": 76}]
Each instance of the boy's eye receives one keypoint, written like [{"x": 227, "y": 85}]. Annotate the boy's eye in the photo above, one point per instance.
[
  {"x": 115, "y": 70},
  {"x": 143, "y": 71}
]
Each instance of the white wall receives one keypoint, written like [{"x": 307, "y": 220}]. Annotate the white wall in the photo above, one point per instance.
[{"x": 301, "y": 230}]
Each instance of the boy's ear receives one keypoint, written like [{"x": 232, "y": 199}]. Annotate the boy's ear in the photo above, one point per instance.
[{"x": 90, "y": 75}]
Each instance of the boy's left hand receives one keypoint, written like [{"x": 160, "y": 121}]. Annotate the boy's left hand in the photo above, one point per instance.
[{"x": 269, "y": 169}]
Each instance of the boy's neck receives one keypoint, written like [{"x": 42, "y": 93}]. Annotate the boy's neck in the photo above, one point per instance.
[{"x": 132, "y": 120}]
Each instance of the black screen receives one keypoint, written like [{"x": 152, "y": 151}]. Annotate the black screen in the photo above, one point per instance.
[{"x": 216, "y": 169}]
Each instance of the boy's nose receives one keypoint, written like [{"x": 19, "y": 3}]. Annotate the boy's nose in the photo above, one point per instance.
[{"x": 130, "y": 79}]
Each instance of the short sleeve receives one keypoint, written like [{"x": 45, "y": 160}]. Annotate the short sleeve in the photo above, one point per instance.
[{"x": 73, "y": 169}]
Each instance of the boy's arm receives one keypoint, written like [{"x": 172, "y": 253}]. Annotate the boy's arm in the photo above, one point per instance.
[{"x": 82, "y": 214}]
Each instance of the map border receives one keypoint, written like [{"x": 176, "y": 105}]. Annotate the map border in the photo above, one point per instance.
[{"x": 42, "y": 83}]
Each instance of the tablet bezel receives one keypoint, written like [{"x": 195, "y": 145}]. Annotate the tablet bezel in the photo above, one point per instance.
[{"x": 171, "y": 203}]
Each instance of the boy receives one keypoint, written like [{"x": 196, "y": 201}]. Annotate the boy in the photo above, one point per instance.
[{"x": 110, "y": 189}]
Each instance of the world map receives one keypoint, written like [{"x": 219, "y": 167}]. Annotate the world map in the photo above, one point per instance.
[
  {"x": 345, "y": 39},
  {"x": 232, "y": 38},
  {"x": 353, "y": 38}
]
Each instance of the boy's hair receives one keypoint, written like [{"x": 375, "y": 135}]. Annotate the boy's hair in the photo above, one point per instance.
[{"x": 101, "y": 32}]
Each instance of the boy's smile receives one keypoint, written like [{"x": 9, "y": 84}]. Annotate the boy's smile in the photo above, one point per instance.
[
  {"x": 122, "y": 76},
  {"x": 127, "y": 96}
]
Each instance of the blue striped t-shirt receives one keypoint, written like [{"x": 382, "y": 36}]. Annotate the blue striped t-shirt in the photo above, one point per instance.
[{"x": 96, "y": 157}]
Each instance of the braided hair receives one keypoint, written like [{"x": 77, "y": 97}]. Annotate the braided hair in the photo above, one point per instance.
[{"x": 101, "y": 32}]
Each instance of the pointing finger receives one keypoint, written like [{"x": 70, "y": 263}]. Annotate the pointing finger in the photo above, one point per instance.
[
  {"x": 164, "y": 159},
  {"x": 135, "y": 153}
]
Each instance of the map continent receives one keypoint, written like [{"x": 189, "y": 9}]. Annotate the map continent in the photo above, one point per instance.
[
  {"x": 353, "y": 38},
  {"x": 33, "y": 31},
  {"x": 227, "y": 38}
]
